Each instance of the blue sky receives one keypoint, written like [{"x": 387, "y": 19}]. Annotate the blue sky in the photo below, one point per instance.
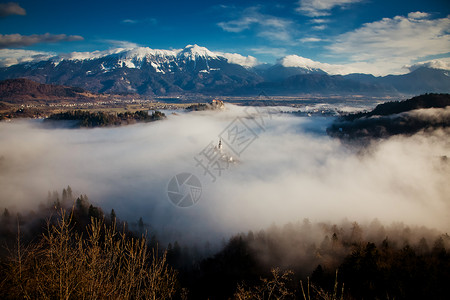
[{"x": 340, "y": 36}]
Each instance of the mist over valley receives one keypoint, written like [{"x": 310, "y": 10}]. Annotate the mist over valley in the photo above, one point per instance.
[
  {"x": 225, "y": 150},
  {"x": 291, "y": 171}
]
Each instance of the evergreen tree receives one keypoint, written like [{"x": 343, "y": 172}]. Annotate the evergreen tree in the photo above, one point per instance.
[
  {"x": 112, "y": 216},
  {"x": 64, "y": 196},
  {"x": 55, "y": 196},
  {"x": 141, "y": 225},
  {"x": 69, "y": 193},
  {"x": 94, "y": 212}
]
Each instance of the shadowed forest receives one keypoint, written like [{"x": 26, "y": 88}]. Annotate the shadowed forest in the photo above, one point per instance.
[
  {"x": 425, "y": 113},
  {"x": 69, "y": 248},
  {"x": 101, "y": 119}
]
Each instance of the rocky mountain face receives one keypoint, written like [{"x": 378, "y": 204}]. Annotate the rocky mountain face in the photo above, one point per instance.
[
  {"x": 141, "y": 70},
  {"x": 196, "y": 70}
]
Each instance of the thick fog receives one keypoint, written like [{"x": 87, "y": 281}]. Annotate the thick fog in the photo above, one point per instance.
[{"x": 290, "y": 171}]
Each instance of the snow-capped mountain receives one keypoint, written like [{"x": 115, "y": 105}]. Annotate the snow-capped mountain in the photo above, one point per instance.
[
  {"x": 162, "y": 61},
  {"x": 196, "y": 69},
  {"x": 143, "y": 70}
]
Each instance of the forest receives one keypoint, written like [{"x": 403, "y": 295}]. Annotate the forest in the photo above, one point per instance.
[
  {"x": 69, "y": 248},
  {"x": 102, "y": 119},
  {"x": 422, "y": 113}
]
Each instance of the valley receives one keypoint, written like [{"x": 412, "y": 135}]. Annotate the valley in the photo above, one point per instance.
[{"x": 225, "y": 150}]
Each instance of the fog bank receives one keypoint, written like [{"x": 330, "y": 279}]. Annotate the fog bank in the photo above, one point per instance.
[{"x": 290, "y": 171}]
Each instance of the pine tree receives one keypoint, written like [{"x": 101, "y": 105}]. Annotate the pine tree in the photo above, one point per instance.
[
  {"x": 141, "y": 225},
  {"x": 69, "y": 193},
  {"x": 6, "y": 214},
  {"x": 112, "y": 216},
  {"x": 64, "y": 196}
]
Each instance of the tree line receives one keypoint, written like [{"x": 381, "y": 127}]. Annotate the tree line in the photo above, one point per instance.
[
  {"x": 102, "y": 119},
  {"x": 71, "y": 248}
]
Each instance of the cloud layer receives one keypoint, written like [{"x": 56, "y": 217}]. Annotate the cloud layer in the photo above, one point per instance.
[
  {"x": 11, "y": 8},
  {"x": 9, "y": 57},
  {"x": 320, "y": 8},
  {"x": 288, "y": 173},
  {"x": 235, "y": 58},
  {"x": 443, "y": 64},
  {"x": 266, "y": 26},
  {"x": 391, "y": 43},
  {"x": 361, "y": 67},
  {"x": 303, "y": 62},
  {"x": 18, "y": 40},
  {"x": 381, "y": 47}
]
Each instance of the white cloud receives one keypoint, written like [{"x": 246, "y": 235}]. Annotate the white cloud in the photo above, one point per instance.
[
  {"x": 333, "y": 69},
  {"x": 273, "y": 51},
  {"x": 319, "y": 24},
  {"x": 319, "y": 8},
  {"x": 266, "y": 26},
  {"x": 319, "y": 27},
  {"x": 129, "y": 21},
  {"x": 303, "y": 62},
  {"x": 11, "y": 8},
  {"x": 310, "y": 40},
  {"x": 319, "y": 21},
  {"x": 443, "y": 63},
  {"x": 18, "y": 40},
  {"x": 238, "y": 25},
  {"x": 152, "y": 21},
  {"x": 9, "y": 57},
  {"x": 235, "y": 58},
  {"x": 418, "y": 15},
  {"x": 121, "y": 44},
  {"x": 392, "y": 43}
]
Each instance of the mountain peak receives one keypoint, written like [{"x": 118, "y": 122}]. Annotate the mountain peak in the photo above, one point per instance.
[
  {"x": 141, "y": 53},
  {"x": 193, "y": 51}
]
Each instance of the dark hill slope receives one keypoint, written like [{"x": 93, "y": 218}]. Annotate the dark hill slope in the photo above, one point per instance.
[
  {"x": 18, "y": 90},
  {"x": 393, "y": 118}
]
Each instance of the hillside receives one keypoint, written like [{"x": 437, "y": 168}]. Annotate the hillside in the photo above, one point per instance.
[
  {"x": 416, "y": 82},
  {"x": 422, "y": 113},
  {"x": 17, "y": 90}
]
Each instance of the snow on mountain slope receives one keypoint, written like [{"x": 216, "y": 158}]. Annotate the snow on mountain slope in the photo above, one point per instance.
[
  {"x": 80, "y": 56},
  {"x": 162, "y": 61},
  {"x": 196, "y": 69},
  {"x": 193, "y": 52}
]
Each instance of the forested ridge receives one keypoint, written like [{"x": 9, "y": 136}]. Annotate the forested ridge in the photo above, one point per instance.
[
  {"x": 68, "y": 247},
  {"x": 22, "y": 89},
  {"x": 424, "y": 113},
  {"x": 102, "y": 119}
]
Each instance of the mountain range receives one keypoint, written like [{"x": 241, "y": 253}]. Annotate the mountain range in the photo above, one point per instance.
[{"x": 196, "y": 70}]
